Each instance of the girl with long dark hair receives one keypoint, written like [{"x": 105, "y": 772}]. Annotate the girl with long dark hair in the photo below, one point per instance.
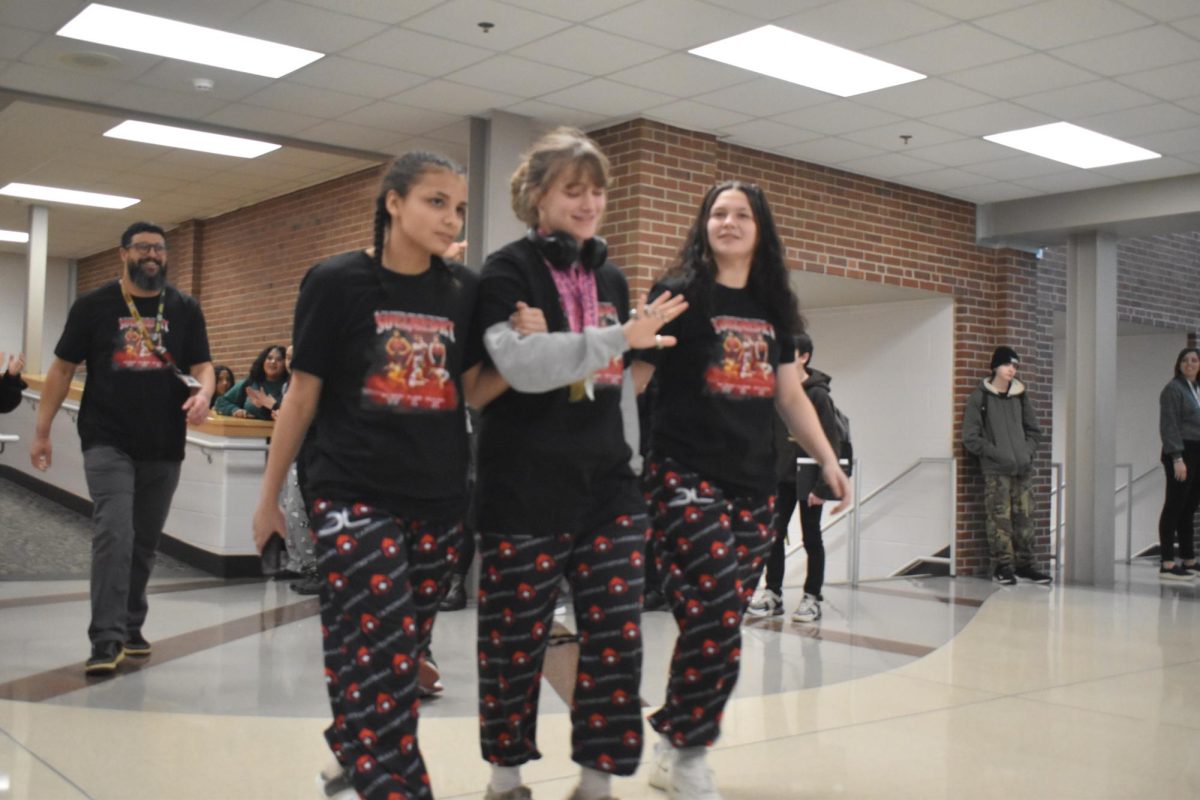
[
  {"x": 268, "y": 374},
  {"x": 710, "y": 474},
  {"x": 1179, "y": 428}
]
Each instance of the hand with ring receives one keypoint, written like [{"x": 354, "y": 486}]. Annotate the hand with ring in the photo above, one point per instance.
[{"x": 642, "y": 329}]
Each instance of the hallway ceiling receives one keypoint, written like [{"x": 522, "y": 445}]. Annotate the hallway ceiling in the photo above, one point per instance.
[{"x": 405, "y": 73}]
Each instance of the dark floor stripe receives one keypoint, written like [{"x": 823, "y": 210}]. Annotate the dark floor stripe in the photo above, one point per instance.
[
  {"x": 163, "y": 588},
  {"x": 57, "y": 682},
  {"x": 940, "y": 598},
  {"x": 841, "y": 637}
]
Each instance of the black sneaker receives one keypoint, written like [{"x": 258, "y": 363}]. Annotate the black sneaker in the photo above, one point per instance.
[
  {"x": 1004, "y": 574},
  {"x": 1032, "y": 575},
  {"x": 105, "y": 657},
  {"x": 1175, "y": 573},
  {"x": 136, "y": 645},
  {"x": 1193, "y": 568},
  {"x": 339, "y": 785},
  {"x": 309, "y": 584},
  {"x": 456, "y": 595}
]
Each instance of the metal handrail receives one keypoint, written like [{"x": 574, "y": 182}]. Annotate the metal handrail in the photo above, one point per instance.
[
  {"x": 853, "y": 542},
  {"x": 5, "y": 438},
  {"x": 1060, "y": 487}
]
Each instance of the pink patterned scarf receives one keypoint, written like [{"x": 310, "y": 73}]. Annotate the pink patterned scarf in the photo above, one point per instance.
[{"x": 577, "y": 293}]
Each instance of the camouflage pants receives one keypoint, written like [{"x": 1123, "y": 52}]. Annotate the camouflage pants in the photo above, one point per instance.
[{"x": 1008, "y": 503}]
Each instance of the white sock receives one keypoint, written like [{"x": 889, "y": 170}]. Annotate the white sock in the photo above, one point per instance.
[
  {"x": 505, "y": 779},
  {"x": 593, "y": 785}
]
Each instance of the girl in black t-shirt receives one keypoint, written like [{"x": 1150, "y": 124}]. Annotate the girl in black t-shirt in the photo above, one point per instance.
[
  {"x": 556, "y": 495},
  {"x": 711, "y": 470},
  {"x": 384, "y": 358}
]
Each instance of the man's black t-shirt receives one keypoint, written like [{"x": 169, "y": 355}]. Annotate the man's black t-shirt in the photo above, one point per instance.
[
  {"x": 551, "y": 463},
  {"x": 390, "y": 350},
  {"x": 131, "y": 399},
  {"x": 716, "y": 390}
]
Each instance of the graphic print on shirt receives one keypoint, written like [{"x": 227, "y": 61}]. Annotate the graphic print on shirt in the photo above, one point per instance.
[
  {"x": 613, "y": 373},
  {"x": 410, "y": 364},
  {"x": 131, "y": 349},
  {"x": 742, "y": 363}
]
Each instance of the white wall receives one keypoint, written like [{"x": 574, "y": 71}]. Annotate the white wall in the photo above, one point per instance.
[
  {"x": 1144, "y": 365},
  {"x": 892, "y": 367},
  {"x": 14, "y": 280}
]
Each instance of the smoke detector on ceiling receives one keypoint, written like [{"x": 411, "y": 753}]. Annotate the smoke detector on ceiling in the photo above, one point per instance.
[
  {"x": 90, "y": 59},
  {"x": 202, "y": 84}
]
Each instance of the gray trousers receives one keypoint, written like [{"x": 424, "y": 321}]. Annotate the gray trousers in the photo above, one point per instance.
[{"x": 131, "y": 500}]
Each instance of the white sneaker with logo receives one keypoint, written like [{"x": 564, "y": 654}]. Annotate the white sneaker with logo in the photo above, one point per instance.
[
  {"x": 767, "y": 604},
  {"x": 809, "y": 609}
]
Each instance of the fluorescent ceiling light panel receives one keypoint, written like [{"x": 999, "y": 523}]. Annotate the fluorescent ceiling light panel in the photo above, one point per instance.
[
  {"x": 169, "y": 136},
  {"x": 145, "y": 33},
  {"x": 52, "y": 195},
  {"x": 780, "y": 53},
  {"x": 1071, "y": 144},
  {"x": 14, "y": 236}
]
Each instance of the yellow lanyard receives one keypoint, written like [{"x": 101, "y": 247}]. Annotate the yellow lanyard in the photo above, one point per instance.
[{"x": 155, "y": 339}]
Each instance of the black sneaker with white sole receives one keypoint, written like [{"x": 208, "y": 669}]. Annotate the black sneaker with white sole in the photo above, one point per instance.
[
  {"x": 105, "y": 657},
  {"x": 1175, "y": 573},
  {"x": 1004, "y": 575},
  {"x": 1032, "y": 575},
  {"x": 136, "y": 645}
]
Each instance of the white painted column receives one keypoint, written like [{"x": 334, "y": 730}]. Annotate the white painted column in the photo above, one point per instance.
[
  {"x": 35, "y": 296},
  {"x": 1091, "y": 407},
  {"x": 497, "y": 144}
]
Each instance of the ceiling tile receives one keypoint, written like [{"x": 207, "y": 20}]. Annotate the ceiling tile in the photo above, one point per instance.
[
  {"x": 970, "y": 9},
  {"x": 347, "y": 135},
  {"x": 923, "y": 98},
  {"x": 15, "y": 41},
  {"x": 1191, "y": 25},
  {"x": 454, "y": 98},
  {"x": 1061, "y": 22},
  {"x": 555, "y": 115},
  {"x": 1177, "y": 82},
  {"x": 577, "y": 12},
  {"x": 262, "y": 120},
  {"x": 1163, "y": 10},
  {"x": 1089, "y": 98},
  {"x": 402, "y": 119},
  {"x": 768, "y": 9},
  {"x": 766, "y": 134},
  {"x": 763, "y": 97},
  {"x": 220, "y": 14},
  {"x": 456, "y": 133},
  {"x": 356, "y": 77},
  {"x": 389, "y": 11},
  {"x": 1156, "y": 46},
  {"x": 285, "y": 96},
  {"x": 645, "y": 20},
  {"x": 683, "y": 75},
  {"x": 59, "y": 82},
  {"x": 589, "y": 50},
  {"x": 836, "y": 117},
  {"x": 963, "y": 152},
  {"x": 940, "y": 180},
  {"x": 949, "y": 49},
  {"x": 177, "y": 76},
  {"x": 517, "y": 76},
  {"x": 415, "y": 52},
  {"x": 887, "y": 165},
  {"x": 305, "y": 26},
  {"x": 859, "y": 24},
  {"x": 1144, "y": 119},
  {"x": 182, "y": 104},
  {"x": 1074, "y": 181},
  {"x": 1017, "y": 167},
  {"x": 695, "y": 116},
  {"x": 990, "y": 118},
  {"x": 1175, "y": 143},
  {"x": 828, "y": 151},
  {"x": 1019, "y": 76},
  {"x": 889, "y": 137},
  {"x": 458, "y": 20},
  {"x": 1153, "y": 169},
  {"x": 611, "y": 99},
  {"x": 46, "y": 16},
  {"x": 995, "y": 192}
]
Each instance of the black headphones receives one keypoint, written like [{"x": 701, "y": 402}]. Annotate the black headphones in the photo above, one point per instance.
[{"x": 559, "y": 248}]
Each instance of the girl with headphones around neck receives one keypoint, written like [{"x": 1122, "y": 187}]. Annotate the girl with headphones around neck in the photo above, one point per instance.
[{"x": 556, "y": 494}]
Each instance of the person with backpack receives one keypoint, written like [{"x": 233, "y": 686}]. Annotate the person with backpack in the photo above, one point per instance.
[
  {"x": 806, "y": 486},
  {"x": 1000, "y": 427}
]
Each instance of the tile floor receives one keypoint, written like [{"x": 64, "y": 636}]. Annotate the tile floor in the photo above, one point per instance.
[{"x": 923, "y": 688}]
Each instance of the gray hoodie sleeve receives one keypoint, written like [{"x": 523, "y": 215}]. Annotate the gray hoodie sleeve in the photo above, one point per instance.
[
  {"x": 631, "y": 423},
  {"x": 1170, "y": 414},
  {"x": 973, "y": 435},
  {"x": 542, "y": 362}
]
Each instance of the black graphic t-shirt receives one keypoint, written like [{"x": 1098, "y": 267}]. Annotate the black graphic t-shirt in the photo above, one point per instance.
[
  {"x": 552, "y": 462},
  {"x": 390, "y": 349},
  {"x": 131, "y": 399},
  {"x": 716, "y": 390}
]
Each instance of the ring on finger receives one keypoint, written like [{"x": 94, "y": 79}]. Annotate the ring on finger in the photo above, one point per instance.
[{"x": 658, "y": 341}]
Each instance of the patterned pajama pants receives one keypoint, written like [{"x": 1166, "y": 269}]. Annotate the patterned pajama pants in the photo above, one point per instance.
[
  {"x": 709, "y": 550},
  {"x": 1008, "y": 505},
  {"x": 518, "y": 587},
  {"x": 382, "y": 583}
]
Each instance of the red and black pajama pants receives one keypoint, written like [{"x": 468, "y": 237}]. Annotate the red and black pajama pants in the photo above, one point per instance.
[
  {"x": 383, "y": 579},
  {"x": 518, "y": 587},
  {"x": 709, "y": 550}
]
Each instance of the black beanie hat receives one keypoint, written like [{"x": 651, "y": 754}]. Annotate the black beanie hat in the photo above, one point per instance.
[{"x": 1004, "y": 355}]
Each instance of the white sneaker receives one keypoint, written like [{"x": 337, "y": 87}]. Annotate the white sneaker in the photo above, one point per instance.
[
  {"x": 660, "y": 768},
  {"x": 809, "y": 609},
  {"x": 767, "y": 604},
  {"x": 695, "y": 783}
]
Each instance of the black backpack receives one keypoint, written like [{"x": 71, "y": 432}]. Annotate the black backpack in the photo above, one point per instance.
[{"x": 846, "y": 453}]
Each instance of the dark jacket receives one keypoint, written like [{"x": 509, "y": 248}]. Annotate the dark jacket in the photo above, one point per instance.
[
  {"x": 1178, "y": 417},
  {"x": 1001, "y": 429},
  {"x": 816, "y": 386},
  {"x": 236, "y": 398},
  {"x": 10, "y": 392}
]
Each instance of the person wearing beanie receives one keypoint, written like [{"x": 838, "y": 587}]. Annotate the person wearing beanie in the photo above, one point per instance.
[{"x": 1001, "y": 429}]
